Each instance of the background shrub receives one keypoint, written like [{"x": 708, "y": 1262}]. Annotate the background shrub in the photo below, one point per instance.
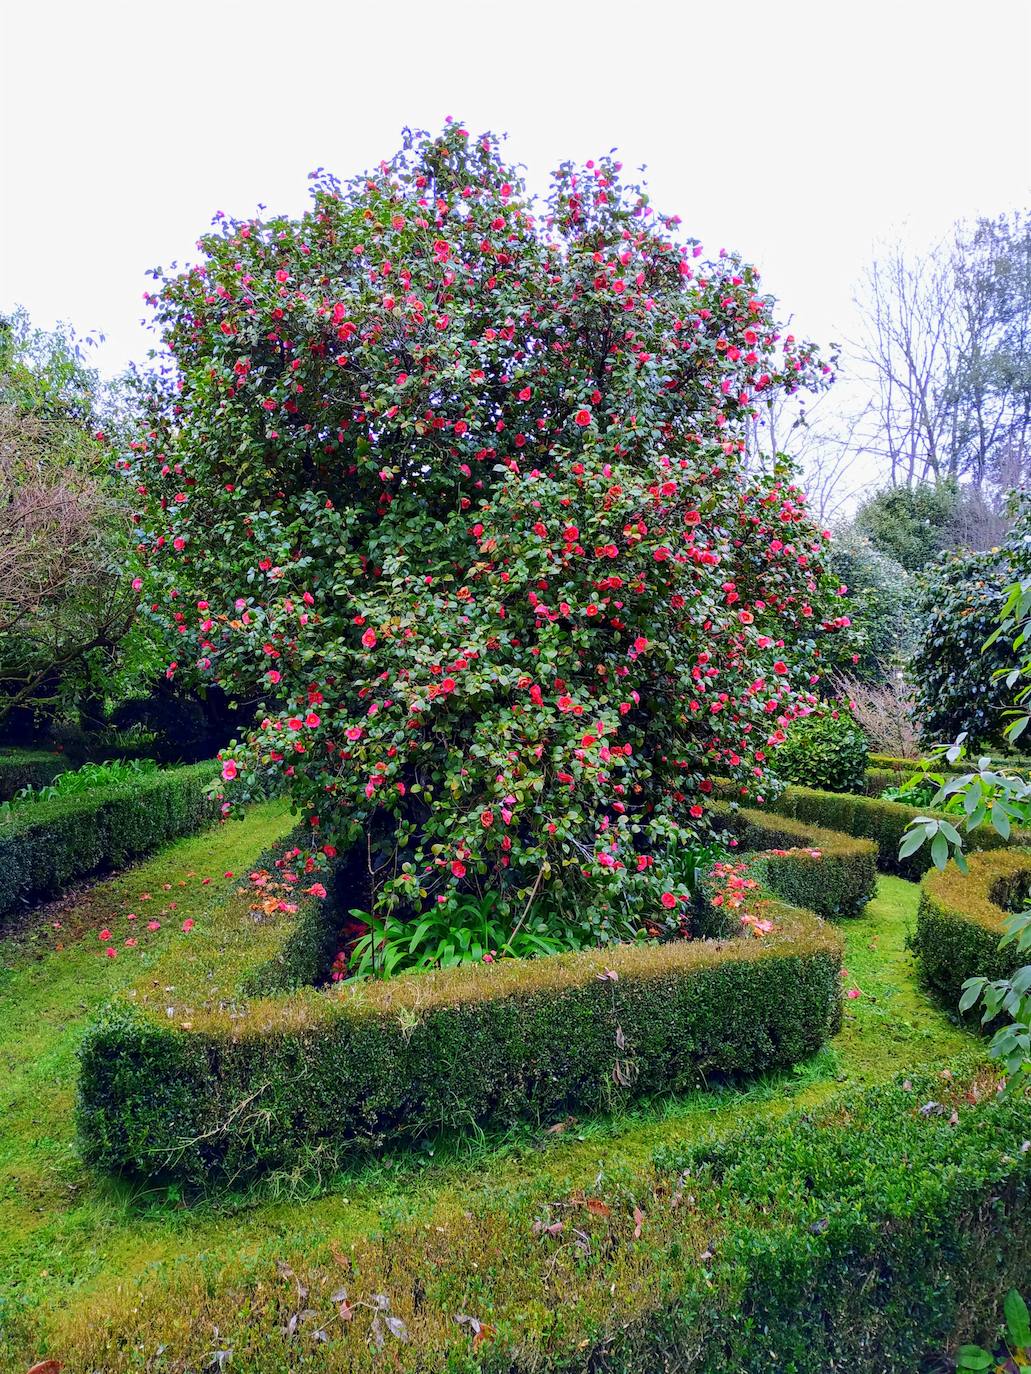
[
  {"x": 28, "y": 768},
  {"x": 824, "y": 749},
  {"x": 960, "y": 601}
]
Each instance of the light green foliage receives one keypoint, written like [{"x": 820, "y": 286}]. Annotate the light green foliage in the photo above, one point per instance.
[{"x": 909, "y": 525}]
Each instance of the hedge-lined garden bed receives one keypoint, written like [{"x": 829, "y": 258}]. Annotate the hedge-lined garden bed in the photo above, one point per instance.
[
  {"x": 46, "y": 845},
  {"x": 884, "y": 822},
  {"x": 194, "y": 1077},
  {"x": 222, "y": 1092},
  {"x": 804, "y": 864},
  {"x": 960, "y": 919},
  {"x": 28, "y": 768}
]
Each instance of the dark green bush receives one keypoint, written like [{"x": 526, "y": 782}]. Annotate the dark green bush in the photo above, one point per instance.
[
  {"x": 957, "y": 687},
  {"x": 825, "y": 749},
  {"x": 839, "y": 882},
  {"x": 959, "y": 920},
  {"x": 854, "y": 1240},
  {"x": 46, "y": 845},
  {"x": 27, "y": 768}
]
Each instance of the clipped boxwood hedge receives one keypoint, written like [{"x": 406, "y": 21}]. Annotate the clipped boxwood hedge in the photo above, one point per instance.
[
  {"x": 811, "y": 867},
  {"x": 192, "y": 1078},
  {"x": 28, "y": 768},
  {"x": 959, "y": 920},
  {"x": 862, "y": 1236},
  {"x": 46, "y": 845},
  {"x": 884, "y": 822}
]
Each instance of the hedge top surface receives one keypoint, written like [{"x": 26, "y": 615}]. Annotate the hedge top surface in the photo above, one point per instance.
[
  {"x": 773, "y": 831},
  {"x": 204, "y": 982},
  {"x": 986, "y": 893}
]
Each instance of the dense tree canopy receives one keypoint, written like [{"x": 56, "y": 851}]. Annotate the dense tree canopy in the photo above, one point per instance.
[{"x": 457, "y": 487}]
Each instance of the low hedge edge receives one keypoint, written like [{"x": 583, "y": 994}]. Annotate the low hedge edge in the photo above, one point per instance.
[
  {"x": 46, "y": 845},
  {"x": 960, "y": 918},
  {"x": 884, "y": 822},
  {"x": 838, "y": 883}
]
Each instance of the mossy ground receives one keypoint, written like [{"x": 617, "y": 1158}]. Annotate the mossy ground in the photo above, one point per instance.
[{"x": 77, "y": 1250}]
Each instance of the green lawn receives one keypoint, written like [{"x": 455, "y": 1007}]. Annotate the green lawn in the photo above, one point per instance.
[{"x": 101, "y": 1274}]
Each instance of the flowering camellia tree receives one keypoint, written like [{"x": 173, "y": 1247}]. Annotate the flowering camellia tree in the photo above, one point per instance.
[{"x": 459, "y": 491}]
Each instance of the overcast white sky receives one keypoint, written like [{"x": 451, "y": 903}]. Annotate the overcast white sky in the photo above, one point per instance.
[{"x": 797, "y": 132}]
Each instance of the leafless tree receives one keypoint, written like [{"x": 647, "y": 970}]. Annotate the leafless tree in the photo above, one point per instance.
[
  {"x": 945, "y": 353},
  {"x": 824, "y": 444}
]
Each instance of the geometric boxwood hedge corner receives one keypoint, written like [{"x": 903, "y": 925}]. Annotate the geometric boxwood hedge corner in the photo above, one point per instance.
[
  {"x": 960, "y": 919},
  {"x": 221, "y": 1064},
  {"x": 806, "y": 865},
  {"x": 884, "y": 822}
]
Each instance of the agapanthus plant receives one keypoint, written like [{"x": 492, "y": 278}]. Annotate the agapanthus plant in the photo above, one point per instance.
[{"x": 455, "y": 484}]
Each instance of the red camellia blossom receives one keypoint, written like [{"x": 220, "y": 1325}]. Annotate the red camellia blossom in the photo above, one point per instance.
[{"x": 503, "y": 445}]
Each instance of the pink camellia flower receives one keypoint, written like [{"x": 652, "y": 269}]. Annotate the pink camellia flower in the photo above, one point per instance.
[
  {"x": 153, "y": 925},
  {"x": 229, "y": 770},
  {"x": 188, "y": 924},
  {"x": 853, "y": 993},
  {"x": 458, "y": 868},
  {"x": 110, "y": 952},
  {"x": 369, "y": 639},
  {"x": 311, "y": 720},
  {"x": 104, "y": 935},
  {"x": 582, "y": 418},
  {"x": 316, "y": 890},
  {"x": 668, "y": 900}
]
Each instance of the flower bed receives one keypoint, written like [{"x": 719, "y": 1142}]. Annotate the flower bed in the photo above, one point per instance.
[
  {"x": 959, "y": 921},
  {"x": 193, "y": 1077},
  {"x": 46, "y": 845}
]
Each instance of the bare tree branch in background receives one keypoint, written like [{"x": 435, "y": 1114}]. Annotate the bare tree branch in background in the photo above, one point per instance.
[
  {"x": 60, "y": 598},
  {"x": 825, "y": 446},
  {"x": 945, "y": 355}
]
